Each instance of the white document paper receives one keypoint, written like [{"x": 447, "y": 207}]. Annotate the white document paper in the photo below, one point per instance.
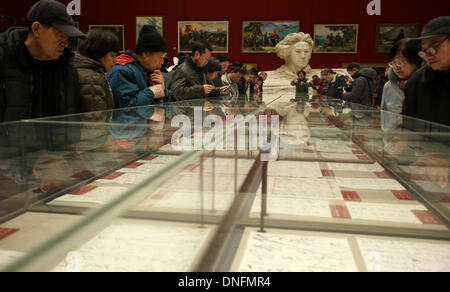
[
  {"x": 7, "y": 257},
  {"x": 355, "y": 167},
  {"x": 100, "y": 195},
  {"x": 144, "y": 168},
  {"x": 294, "y": 206},
  {"x": 304, "y": 188},
  {"x": 341, "y": 156},
  {"x": 130, "y": 178},
  {"x": 369, "y": 184},
  {"x": 294, "y": 169},
  {"x": 192, "y": 200},
  {"x": 162, "y": 159},
  {"x": 334, "y": 146},
  {"x": 141, "y": 248},
  {"x": 191, "y": 182},
  {"x": 404, "y": 256},
  {"x": 385, "y": 212},
  {"x": 270, "y": 252},
  {"x": 225, "y": 166}
]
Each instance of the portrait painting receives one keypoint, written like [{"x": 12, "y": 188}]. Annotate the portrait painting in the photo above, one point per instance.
[
  {"x": 263, "y": 36},
  {"x": 214, "y": 32},
  {"x": 388, "y": 34},
  {"x": 118, "y": 30},
  {"x": 335, "y": 38}
]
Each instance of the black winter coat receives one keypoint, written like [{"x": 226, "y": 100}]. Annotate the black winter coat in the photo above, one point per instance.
[
  {"x": 17, "y": 98},
  {"x": 427, "y": 96}
]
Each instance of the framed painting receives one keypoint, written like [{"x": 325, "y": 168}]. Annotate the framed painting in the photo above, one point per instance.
[
  {"x": 156, "y": 21},
  {"x": 335, "y": 38},
  {"x": 263, "y": 36},
  {"x": 118, "y": 30},
  {"x": 214, "y": 32},
  {"x": 388, "y": 34}
]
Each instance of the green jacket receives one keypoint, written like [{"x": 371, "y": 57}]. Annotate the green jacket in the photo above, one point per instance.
[
  {"x": 301, "y": 90},
  {"x": 95, "y": 91}
]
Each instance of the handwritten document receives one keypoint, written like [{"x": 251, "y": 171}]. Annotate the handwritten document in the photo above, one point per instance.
[
  {"x": 144, "y": 168},
  {"x": 294, "y": 169},
  {"x": 130, "y": 178},
  {"x": 369, "y": 184},
  {"x": 294, "y": 206},
  {"x": 303, "y": 187},
  {"x": 404, "y": 256},
  {"x": 100, "y": 195},
  {"x": 162, "y": 159},
  {"x": 131, "y": 247},
  {"x": 226, "y": 166},
  {"x": 384, "y": 212},
  {"x": 355, "y": 167},
  {"x": 271, "y": 252},
  {"x": 192, "y": 200}
]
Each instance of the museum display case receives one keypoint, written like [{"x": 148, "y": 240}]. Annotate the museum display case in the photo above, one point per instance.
[{"x": 317, "y": 185}]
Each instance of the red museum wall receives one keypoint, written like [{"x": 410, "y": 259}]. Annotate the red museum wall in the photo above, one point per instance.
[{"x": 235, "y": 11}]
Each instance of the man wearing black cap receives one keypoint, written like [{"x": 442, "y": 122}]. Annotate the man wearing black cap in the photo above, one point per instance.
[
  {"x": 37, "y": 79},
  {"x": 136, "y": 80},
  {"x": 427, "y": 93}
]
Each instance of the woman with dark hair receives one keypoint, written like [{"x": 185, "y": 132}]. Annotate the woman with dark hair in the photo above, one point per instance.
[
  {"x": 95, "y": 57},
  {"x": 212, "y": 70},
  {"x": 404, "y": 62}
]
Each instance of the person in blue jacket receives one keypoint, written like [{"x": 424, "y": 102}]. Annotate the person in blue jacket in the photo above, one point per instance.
[{"x": 136, "y": 80}]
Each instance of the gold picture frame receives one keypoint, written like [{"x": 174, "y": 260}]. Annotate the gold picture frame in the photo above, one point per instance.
[
  {"x": 388, "y": 33},
  {"x": 335, "y": 38},
  {"x": 118, "y": 30},
  {"x": 215, "y": 32}
]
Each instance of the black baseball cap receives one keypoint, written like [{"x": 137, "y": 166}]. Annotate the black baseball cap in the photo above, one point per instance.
[
  {"x": 54, "y": 13},
  {"x": 436, "y": 27}
]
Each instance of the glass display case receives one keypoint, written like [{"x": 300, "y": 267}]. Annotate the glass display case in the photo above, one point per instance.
[{"x": 318, "y": 185}]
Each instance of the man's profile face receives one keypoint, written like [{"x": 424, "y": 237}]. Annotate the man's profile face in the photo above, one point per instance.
[
  {"x": 441, "y": 60},
  {"x": 202, "y": 59},
  {"x": 51, "y": 41}
]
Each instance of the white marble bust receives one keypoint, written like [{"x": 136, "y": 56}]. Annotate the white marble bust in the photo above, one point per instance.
[{"x": 296, "y": 49}]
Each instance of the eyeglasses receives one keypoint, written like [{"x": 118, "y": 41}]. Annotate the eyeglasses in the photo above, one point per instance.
[
  {"x": 397, "y": 63},
  {"x": 431, "y": 51}
]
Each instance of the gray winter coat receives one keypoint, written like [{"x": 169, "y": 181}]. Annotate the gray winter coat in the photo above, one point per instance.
[
  {"x": 392, "y": 103},
  {"x": 188, "y": 82}
]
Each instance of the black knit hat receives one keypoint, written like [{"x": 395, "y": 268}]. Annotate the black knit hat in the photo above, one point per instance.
[{"x": 150, "y": 40}]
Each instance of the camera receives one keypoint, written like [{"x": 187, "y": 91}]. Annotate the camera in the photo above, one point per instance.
[{"x": 347, "y": 88}]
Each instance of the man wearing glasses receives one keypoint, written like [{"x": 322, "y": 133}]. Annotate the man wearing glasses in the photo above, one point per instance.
[{"x": 427, "y": 93}]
